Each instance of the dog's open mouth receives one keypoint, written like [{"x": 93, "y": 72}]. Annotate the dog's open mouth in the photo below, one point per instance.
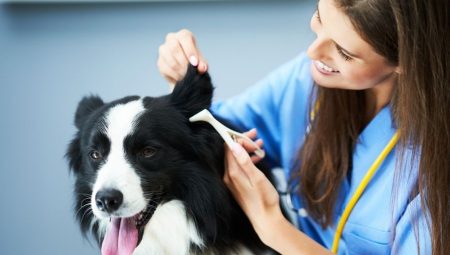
[{"x": 124, "y": 234}]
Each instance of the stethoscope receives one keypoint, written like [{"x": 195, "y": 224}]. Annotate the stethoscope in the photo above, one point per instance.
[{"x": 355, "y": 197}]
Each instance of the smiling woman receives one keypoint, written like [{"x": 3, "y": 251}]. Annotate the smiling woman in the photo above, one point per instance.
[
  {"x": 368, "y": 79},
  {"x": 360, "y": 125},
  {"x": 343, "y": 58}
]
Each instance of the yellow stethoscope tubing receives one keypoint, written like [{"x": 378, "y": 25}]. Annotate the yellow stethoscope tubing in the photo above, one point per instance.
[{"x": 360, "y": 189}]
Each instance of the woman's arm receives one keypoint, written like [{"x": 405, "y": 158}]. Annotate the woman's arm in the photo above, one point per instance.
[
  {"x": 260, "y": 202},
  {"x": 286, "y": 239}
]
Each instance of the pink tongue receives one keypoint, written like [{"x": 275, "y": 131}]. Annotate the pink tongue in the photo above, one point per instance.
[{"x": 121, "y": 238}]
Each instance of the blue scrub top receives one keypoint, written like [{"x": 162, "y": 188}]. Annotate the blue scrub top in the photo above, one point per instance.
[{"x": 379, "y": 223}]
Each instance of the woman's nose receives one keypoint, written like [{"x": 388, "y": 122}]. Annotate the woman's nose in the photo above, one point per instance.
[{"x": 318, "y": 48}]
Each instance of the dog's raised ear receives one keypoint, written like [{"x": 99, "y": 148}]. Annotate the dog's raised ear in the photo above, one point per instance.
[
  {"x": 85, "y": 107},
  {"x": 194, "y": 93}
]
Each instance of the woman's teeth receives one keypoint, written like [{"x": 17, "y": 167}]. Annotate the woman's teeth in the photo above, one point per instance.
[{"x": 325, "y": 67}]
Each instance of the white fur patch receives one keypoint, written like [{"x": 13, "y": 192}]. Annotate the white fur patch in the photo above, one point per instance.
[
  {"x": 116, "y": 172},
  {"x": 169, "y": 231},
  {"x": 103, "y": 225}
]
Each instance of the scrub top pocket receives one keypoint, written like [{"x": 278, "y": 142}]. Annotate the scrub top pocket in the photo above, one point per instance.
[{"x": 361, "y": 239}]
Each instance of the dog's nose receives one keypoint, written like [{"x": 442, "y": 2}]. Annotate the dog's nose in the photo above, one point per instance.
[{"x": 108, "y": 200}]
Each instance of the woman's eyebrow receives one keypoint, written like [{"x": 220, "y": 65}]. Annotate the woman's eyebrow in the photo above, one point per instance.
[{"x": 346, "y": 51}]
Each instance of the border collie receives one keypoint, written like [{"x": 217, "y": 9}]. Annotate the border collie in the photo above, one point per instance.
[{"x": 147, "y": 181}]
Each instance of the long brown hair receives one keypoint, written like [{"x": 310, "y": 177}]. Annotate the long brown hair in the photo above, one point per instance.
[
  {"x": 412, "y": 34},
  {"x": 422, "y": 109}
]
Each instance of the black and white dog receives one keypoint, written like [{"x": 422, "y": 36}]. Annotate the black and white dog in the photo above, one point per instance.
[{"x": 150, "y": 182}]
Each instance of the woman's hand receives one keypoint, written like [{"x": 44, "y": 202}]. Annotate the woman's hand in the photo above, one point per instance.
[
  {"x": 176, "y": 52},
  {"x": 251, "y": 189},
  {"x": 260, "y": 202}
]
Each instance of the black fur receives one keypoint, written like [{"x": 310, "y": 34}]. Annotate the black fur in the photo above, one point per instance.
[{"x": 188, "y": 164}]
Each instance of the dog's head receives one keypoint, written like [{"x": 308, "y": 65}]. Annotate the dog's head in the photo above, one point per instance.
[{"x": 134, "y": 152}]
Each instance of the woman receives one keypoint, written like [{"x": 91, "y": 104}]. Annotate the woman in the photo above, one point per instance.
[{"x": 378, "y": 71}]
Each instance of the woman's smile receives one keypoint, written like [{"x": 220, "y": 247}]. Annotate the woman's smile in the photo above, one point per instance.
[{"x": 324, "y": 69}]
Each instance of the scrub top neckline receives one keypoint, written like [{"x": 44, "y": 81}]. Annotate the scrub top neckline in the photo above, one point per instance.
[
  {"x": 370, "y": 143},
  {"x": 379, "y": 124}
]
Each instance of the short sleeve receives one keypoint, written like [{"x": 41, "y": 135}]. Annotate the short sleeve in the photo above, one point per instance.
[{"x": 269, "y": 105}]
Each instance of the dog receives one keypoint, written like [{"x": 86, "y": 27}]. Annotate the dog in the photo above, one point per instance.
[{"x": 147, "y": 181}]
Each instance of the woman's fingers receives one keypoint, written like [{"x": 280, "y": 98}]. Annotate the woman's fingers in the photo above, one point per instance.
[
  {"x": 245, "y": 163},
  {"x": 251, "y": 133},
  {"x": 255, "y": 159},
  {"x": 234, "y": 176},
  {"x": 170, "y": 63},
  {"x": 250, "y": 148},
  {"x": 172, "y": 49},
  {"x": 191, "y": 52},
  {"x": 241, "y": 163},
  {"x": 178, "y": 50}
]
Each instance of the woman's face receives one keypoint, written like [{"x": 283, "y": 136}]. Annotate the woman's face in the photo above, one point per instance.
[{"x": 341, "y": 58}]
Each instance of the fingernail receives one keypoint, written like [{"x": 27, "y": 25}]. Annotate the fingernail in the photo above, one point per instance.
[
  {"x": 237, "y": 149},
  {"x": 193, "y": 60},
  {"x": 205, "y": 67}
]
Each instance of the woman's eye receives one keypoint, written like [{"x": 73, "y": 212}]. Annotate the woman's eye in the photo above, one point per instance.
[
  {"x": 342, "y": 54},
  {"x": 147, "y": 152},
  {"x": 95, "y": 155}
]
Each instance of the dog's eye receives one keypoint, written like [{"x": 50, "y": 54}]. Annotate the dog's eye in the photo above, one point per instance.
[
  {"x": 147, "y": 152},
  {"x": 95, "y": 155}
]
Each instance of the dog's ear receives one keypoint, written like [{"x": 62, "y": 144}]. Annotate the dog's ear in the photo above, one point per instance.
[
  {"x": 194, "y": 93},
  {"x": 73, "y": 154},
  {"x": 85, "y": 107}
]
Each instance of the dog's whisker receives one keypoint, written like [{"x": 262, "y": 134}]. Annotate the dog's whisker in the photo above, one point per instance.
[
  {"x": 83, "y": 207},
  {"x": 86, "y": 213},
  {"x": 86, "y": 199}
]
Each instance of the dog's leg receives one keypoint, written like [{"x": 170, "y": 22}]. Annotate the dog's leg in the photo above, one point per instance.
[{"x": 169, "y": 232}]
